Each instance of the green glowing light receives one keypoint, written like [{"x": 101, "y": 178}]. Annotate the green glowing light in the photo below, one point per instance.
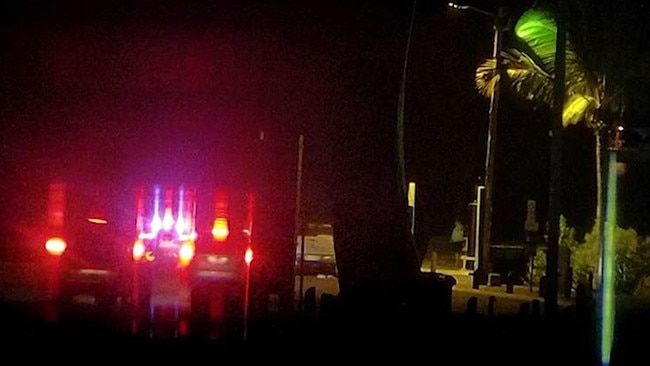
[{"x": 609, "y": 255}]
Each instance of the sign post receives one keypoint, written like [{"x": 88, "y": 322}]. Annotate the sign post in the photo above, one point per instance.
[{"x": 411, "y": 202}]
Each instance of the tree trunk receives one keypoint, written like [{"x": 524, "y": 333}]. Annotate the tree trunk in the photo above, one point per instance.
[
  {"x": 599, "y": 205},
  {"x": 375, "y": 255},
  {"x": 371, "y": 231},
  {"x": 552, "y": 253}
]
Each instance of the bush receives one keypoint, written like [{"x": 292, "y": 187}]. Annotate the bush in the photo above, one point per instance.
[
  {"x": 567, "y": 239},
  {"x": 539, "y": 265},
  {"x": 632, "y": 256}
]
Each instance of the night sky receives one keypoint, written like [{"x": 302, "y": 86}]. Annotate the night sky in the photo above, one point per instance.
[{"x": 109, "y": 88}]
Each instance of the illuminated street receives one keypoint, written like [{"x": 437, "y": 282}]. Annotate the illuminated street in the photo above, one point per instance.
[{"x": 21, "y": 293}]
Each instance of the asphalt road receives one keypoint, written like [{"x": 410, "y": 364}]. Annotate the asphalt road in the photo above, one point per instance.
[{"x": 502, "y": 335}]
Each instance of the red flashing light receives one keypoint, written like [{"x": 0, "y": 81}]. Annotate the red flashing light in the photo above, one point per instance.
[
  {"x": 168, "y": 219},
  {"x": 56, "y": 246}
]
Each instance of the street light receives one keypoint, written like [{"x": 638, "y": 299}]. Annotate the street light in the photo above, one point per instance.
[
  {"x": 469, "y": 7},
  {"x": 480, "y": 275}
]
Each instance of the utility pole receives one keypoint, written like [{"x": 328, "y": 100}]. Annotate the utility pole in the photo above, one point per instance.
[{"x": 299, "y": 221}]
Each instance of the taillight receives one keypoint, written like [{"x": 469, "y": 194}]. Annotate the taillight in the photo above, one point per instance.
[
  {"x": 186, "y": 253},
  {"x": 138, "y": 250},
  {"x": 220, "y": 229},
  {"x": 55, "y": 218},
  {"x": 56, "y": 246},
  {"x": 248, "y": 256}
]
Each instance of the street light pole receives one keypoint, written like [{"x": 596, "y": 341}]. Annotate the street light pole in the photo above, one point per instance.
[
  {"x": 481, "y": 273},
  {"x": 300, "y": 221},
  {"x": 477, "y": 218},
  {"x": 485, "y": 263}
]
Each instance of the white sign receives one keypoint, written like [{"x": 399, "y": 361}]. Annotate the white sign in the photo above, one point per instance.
[{"x": 411, "y": 194}]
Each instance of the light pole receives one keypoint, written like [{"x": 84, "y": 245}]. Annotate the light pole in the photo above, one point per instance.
[
  {"x": 472, "y": 246},
  {"x": 477, "y": 218},
  {"x": 248, "y": 258},
  {"x": 300, "y": 220},
  {"x": 481, "y": 273}
]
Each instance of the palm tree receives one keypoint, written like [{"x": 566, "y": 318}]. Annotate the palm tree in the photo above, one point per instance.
[{"x": 530, "y": 71}]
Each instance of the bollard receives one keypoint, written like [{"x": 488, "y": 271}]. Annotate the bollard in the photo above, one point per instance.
[
  {"x": 542, "y": 286},
  {"x": 491, "y": 303},
  {"x": 434, "y": 260},
  {"x": 568, "y": 284},
  {"x": 510, "y": 283},
  {"x": 310, "y": 302},
  {"x": 584, "y": 301},
  {"x": 328, "y": 306},
  {"x": 536, "y": 310},
  {"x": 524, "y": 309},
  {"x": 472, "y": 305}
]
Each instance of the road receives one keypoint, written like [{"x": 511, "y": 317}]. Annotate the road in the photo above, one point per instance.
[
  {"x": 503, "y": 303},
  {"x": 24, "y": 283},
  {"x": 504, "y": 335}
]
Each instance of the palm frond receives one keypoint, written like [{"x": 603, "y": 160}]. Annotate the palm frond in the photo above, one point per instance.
[
  {"x": 528, "y": 78},
  {"x": 579, "y": 108},
  {"x": 486, "y": 77},
  {"x": 530, "y": 70},
  {"x": 524, "y": 74},
  {"x": 538, "y": 30}
]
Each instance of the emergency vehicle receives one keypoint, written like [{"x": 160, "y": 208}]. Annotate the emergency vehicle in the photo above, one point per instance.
[{"x": 217, "y": 253}]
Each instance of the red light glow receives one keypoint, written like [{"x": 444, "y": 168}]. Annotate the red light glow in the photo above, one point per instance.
[
  {"x": 248, "y": 256},
  {"x": 56, "y": 246},
  {"x": 186, "y": 253},
  {"x": 220, "y": 229},
  {"x": 138, "y": 250},
  {"x": 97, "y": 221},
  {"x": 56, "y": 206}
]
